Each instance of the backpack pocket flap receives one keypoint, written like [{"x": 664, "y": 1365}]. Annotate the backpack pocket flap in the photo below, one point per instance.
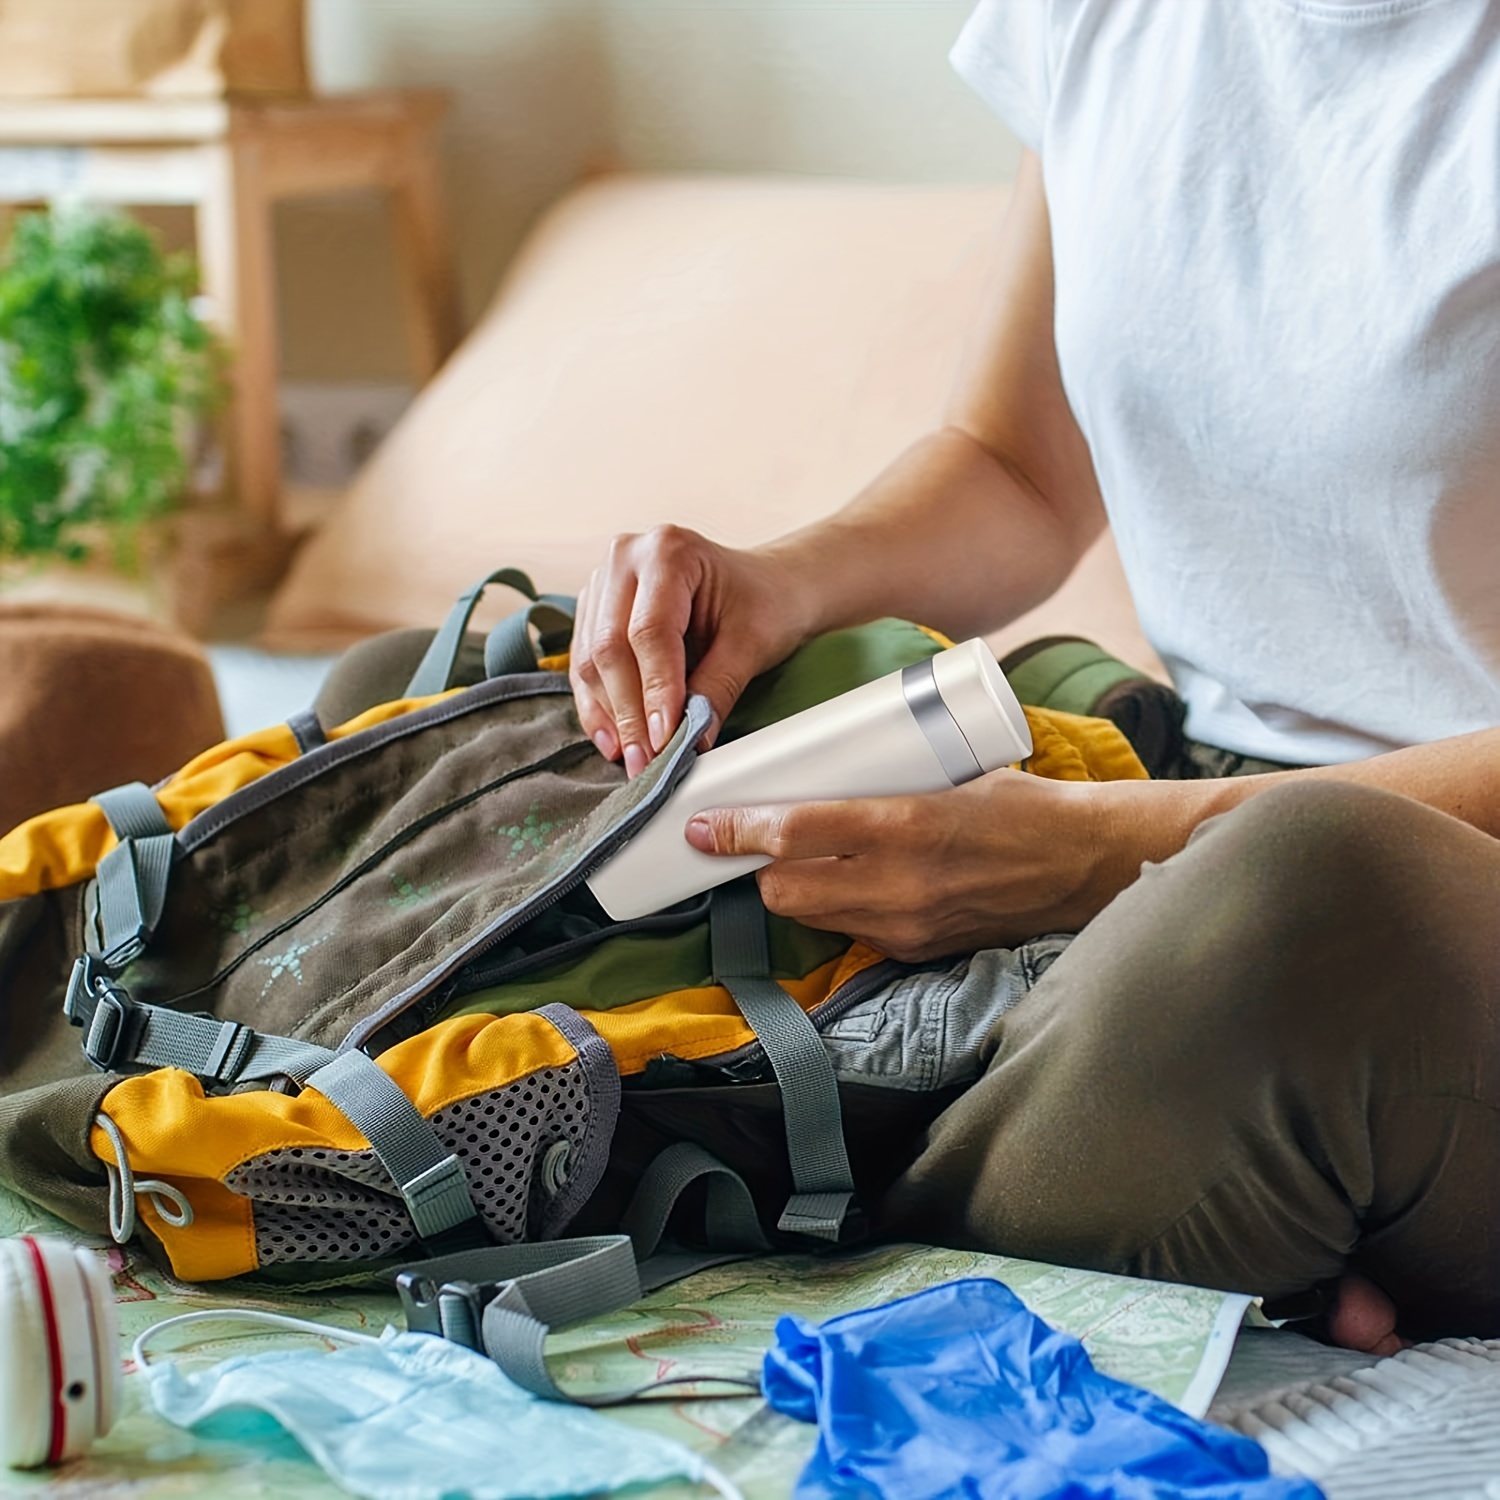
[{"x": 327, "y": 898}]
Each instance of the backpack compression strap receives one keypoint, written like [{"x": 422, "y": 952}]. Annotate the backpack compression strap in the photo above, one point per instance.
[
  {"x": 809, "y": 1088},
  {"x": 431, "y": 1181},
  {"x": 130, "y": 885},
  {"x": 503, "y": 1301},
  {"x": 121, "y": 1035}
]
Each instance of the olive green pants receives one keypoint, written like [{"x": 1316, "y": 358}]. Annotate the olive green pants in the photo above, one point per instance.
[{"x": 1272, "y": 1058}]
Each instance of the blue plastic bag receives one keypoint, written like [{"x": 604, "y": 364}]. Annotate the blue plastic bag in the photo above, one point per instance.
[{"x": 960, "y": 1391}]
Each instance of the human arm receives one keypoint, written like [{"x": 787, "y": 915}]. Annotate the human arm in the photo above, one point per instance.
[
  {"x": 1010, "y": 855},
  {"x": 974, "y": 524}
]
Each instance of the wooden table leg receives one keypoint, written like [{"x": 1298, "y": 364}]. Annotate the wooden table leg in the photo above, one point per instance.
[
  {"x": 230, "y": 553},
  {"x": 429, "y": 284},
  {"x": 237, "y": 256}
]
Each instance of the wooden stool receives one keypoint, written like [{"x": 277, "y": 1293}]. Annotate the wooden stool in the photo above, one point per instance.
[{"x": 230, "y": 160}]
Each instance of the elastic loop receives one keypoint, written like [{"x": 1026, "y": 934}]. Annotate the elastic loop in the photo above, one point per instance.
[
  {"x": 124, "y": 1186},
  {"x": 242, "y": 1315}
]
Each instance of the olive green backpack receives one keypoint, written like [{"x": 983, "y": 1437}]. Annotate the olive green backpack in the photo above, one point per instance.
[{"x": 335, "y": 998}]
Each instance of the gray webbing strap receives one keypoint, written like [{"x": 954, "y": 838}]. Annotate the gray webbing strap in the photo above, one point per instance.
[
  {"x": 560, "y": 1282},
  {"x": 435, "y": 671},
  {"x": 504, "y": 1300},
  {"x": 223, "y": 1051},
  {"x": 516, "y": 1341},
  {"x": 429, "y": 1179},
  {"x": 133, "y": 811},
  {"x": 809, "y": 1087},
  {"x": 122, "y": 1035},
  {"x": 514, "y": 1324},
  {"x": 307, "y": 729},
  {"x": 508, "y": 647},
  {"x": 130, "y": 884},
  {"x": 730, "y": 1223}
]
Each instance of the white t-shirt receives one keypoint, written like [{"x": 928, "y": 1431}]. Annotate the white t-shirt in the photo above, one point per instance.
[{"x": 1276, "y": 232}]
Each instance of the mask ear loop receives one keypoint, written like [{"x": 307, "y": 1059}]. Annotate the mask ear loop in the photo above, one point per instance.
[
  {"x": 171, "y": 1204},
  {"x": 707, "y": 1474},
  {"x": 719, "y": 1484},
  {"x": 243, "y": 1315}
]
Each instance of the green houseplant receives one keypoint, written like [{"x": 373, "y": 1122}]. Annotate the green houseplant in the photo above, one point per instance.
[{"x": 106, "y": 371}]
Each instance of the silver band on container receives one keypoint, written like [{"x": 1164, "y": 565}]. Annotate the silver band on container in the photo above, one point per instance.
[{"x": 936, "y": 721}]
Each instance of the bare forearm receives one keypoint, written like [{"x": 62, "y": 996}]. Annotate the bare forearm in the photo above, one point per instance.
[
  {"x": 948, "y": 535},
  {"x": 1459, "y": 776}
]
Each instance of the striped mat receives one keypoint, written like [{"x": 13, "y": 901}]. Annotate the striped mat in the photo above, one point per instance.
[{"x": 1421, "y": 1425}]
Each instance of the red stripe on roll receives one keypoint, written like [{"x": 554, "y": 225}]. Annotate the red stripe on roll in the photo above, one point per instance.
[{"x": 58, "y": 1438}]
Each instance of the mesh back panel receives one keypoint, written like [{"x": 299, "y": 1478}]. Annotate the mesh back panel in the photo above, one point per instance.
[{"x": 327, "y": 1205}]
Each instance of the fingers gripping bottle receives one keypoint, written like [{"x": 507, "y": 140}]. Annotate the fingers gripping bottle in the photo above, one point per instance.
[{"x": 928, "y": 727}]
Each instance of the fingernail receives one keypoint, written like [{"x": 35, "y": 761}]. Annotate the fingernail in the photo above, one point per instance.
[
  {"x": 606, "y": 743},
  {"x": 710, "y": 734},
  {"x": 636, "y": 760},
  {"x": 657, "y": 727},
  {"x": 700, "y": 835}
]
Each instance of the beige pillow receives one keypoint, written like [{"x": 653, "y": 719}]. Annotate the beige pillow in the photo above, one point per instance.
[{"x": 736, "y": 354}]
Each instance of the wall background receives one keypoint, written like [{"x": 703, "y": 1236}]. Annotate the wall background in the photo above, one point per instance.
[{"x": 547, "y": 90}]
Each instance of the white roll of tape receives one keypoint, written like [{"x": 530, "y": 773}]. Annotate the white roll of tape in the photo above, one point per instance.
[{"x": 59, "y": 1351}]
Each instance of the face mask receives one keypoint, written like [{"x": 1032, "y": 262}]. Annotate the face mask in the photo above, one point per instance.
[{"x": 412, "y": 1417}]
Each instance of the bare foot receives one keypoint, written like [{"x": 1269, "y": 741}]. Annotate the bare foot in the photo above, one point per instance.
[{"x": 1364, "y": 1318}]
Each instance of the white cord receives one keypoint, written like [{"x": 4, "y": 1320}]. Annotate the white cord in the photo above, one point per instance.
[
  {"x": 243, "y": 1315},
  {"x": 716, "y": 1481},
  {"x": 172, "y": 1205}
]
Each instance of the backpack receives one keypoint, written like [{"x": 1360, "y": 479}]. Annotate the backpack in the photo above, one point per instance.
[{"x": 331, "y": 1000}]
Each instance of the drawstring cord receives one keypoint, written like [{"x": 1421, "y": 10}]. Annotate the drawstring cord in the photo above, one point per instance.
[{"x": 124, "y": 1185}]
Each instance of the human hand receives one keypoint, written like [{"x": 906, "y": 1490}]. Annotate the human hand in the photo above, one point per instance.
[
  {"x": 671, "y": 613},
  {"x": 988, "y": 864}
]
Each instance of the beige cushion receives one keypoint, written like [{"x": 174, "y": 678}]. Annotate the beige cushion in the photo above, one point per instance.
[{"x": 736, "y": 354}]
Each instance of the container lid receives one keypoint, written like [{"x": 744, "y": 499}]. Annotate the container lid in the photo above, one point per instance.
[{"x": 975, "y": 691}]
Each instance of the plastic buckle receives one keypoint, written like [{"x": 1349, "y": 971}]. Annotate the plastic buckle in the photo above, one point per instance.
[
  {"x": 454, "y": 1310},
  {"x": 101, "y": 1008},
  {"x": 128, "y": 949},
  {"x": 78, "y": 1002},
  {"x": 107, "y": 1029},
  {"x": 419, "y": 1303}
]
